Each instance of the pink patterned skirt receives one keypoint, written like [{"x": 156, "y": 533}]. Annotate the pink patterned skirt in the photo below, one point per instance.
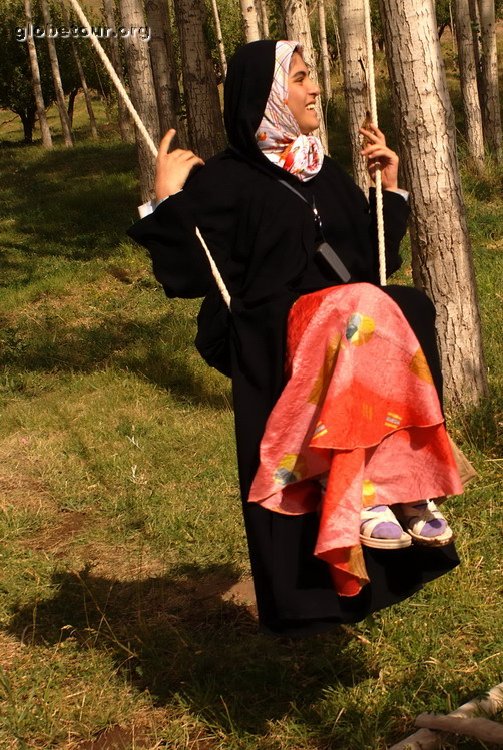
[{"x": 360, "y": 411}]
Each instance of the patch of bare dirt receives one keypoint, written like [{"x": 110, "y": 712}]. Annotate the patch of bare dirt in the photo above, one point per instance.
[
  {"x": 243, "y": 592},
  {"x": 118, "y": 737},
  {"x": 10, "y": 648},
  {"x": 57, "y": 537},
  {"x": 122, "y": 562},
  {"x": 143, "y": 733}
]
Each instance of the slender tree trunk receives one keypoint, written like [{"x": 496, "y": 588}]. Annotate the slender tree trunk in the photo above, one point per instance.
[
  {"x": 141, "y": 82},
  {"x": 442, "y": 260},
  {"x": 490, "y": 99},
  {"x": 220, "y": 39},
  {"x": 126, "y": 126},
  {"x": 37, "y": 85},
  {"x": 163, "y": 68},
  {"x": 204, "y": 116},
  {"x": 83, "y": 82},
  {"x": 453, "y": 28},
  {"x": 56, "y": 77},
  {"x": 325, "y": 58},
  {"x": 468, "y": 76},
  {"x": 337, "y": 37},
  {"x": 71, "y": 105},
  {"x": 87, "y": 93},
  {"x": 250, "y": 19},
  {"x": 354, "y": 69},
  {"x": 264, "y": 19},
  {"x": 477, "y": 51},
  {"x": 28, "y": 119},
  {"x": 298, "y": 29}
]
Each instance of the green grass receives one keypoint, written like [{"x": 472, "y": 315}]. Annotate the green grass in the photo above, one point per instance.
[{"x": 119, "y": 511}]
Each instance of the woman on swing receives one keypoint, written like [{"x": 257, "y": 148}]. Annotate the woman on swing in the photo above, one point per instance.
[{"x": 336, "y": 382}]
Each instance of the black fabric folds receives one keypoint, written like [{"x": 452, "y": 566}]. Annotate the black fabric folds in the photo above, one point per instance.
[{"x": 262, "y": 237}]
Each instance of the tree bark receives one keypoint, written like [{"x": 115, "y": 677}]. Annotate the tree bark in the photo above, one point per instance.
[
  {"x": 220, "y": 39},
  {"x": 490, "y": 99},
  {"x": 141, "y": 83},
  {"x": 56, "y": 77},
  {"x": 325, "y": 58},
  {"x": 37, "y": 85},
  {"x": 299, "y": 29},
  {"x": 204, "y": 116},
  {"x": 442, "y": 262},
  {"x": 354, "y": 66},
  {"x": 83, "y": 82},
  {"x": 468, "y": 77},
  {"x": 126, "y": 126},
  {"x": 164, "y": 70},
  {"x": 264, "y": 19},
  {"x": 250, "y": 20},
  {"x": 71, "y": 105},
  {"x": 28, "y": 119}
]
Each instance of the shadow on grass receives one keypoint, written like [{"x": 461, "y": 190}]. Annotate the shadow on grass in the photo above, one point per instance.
[
  {"x": 157, "y": 351},
  {"x": 72, "y": 203},
  {"x": 177, "y": 638}
]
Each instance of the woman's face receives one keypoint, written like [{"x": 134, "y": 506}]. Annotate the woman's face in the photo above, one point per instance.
[{"x": 302, "y": 93}]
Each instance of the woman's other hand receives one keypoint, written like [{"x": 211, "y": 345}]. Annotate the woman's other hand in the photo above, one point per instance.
[
  {"x": 377, "y": 152},
  {"x": 172, "y": 168}
]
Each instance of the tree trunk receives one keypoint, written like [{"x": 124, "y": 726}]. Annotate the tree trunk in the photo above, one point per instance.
[
  {"x": 141, "y": 83},
  {"x": 250, "y": 19},
  {"x": 126, "y": 126},
  {"x": 468, "y": 76},
  {"x": 83, "y": 82},
  {"x": 264, "y": 19},
  {"x": 71, "y": 105},
  {"x": 37, "y": 85},
  {"x": 204, "y": 116},
  {"x": 298, "y": 29},
  {"x": 28, "y": 119},
  {"x": 325, "y": 59},
  {"x": 164, "y": 70},
  {"x": 220, "y": 40},
  {"x": 490, "y": 99},
  {"x": 441, "y": 254},
  {"x": 56, "y": 77},
  {"x": 354, "y": 66},
  {"x": 475, "y": 24}
]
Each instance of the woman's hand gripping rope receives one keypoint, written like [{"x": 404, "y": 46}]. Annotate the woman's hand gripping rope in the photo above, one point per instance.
[
  {"x": 379, "y": 155},
  {"x": 173, "y": 167}
]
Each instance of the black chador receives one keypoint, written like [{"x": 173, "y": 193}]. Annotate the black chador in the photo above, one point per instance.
[{"x": 263, "y": 237}]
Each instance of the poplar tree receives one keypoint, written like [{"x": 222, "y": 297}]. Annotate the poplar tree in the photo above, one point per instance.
[
  {"x": 468, "y": 79},
  {"x": 354, "y": 70},
  {"x": 37, "y": 85},
  {"x": 442, "y": 262},
  {"x": 126, "y": 127},
  {"x": 56, "y": 77},
  {"x": 489, "y": 76},
  {"x": 204, "y": 116},
  {"x": 141, "y": 83},
  {"x": 250, "y": 20},
  {"x": 299, "y": 29}
]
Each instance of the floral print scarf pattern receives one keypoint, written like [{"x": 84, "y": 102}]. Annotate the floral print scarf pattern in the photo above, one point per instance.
[{"x": 278, "y": 135}]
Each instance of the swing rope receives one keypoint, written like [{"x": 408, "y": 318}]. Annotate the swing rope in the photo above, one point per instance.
[
  {"x": 371, "y": 82},
  {"x": 151, "y": 145}
]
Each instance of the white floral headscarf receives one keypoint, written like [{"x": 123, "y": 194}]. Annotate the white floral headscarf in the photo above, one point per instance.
[{"x": 278, "y": 135}]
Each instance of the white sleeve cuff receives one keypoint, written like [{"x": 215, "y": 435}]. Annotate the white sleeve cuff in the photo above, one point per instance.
[
  {"x": 145, "y": 209},
  {"x": 149, "y": 207}
]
